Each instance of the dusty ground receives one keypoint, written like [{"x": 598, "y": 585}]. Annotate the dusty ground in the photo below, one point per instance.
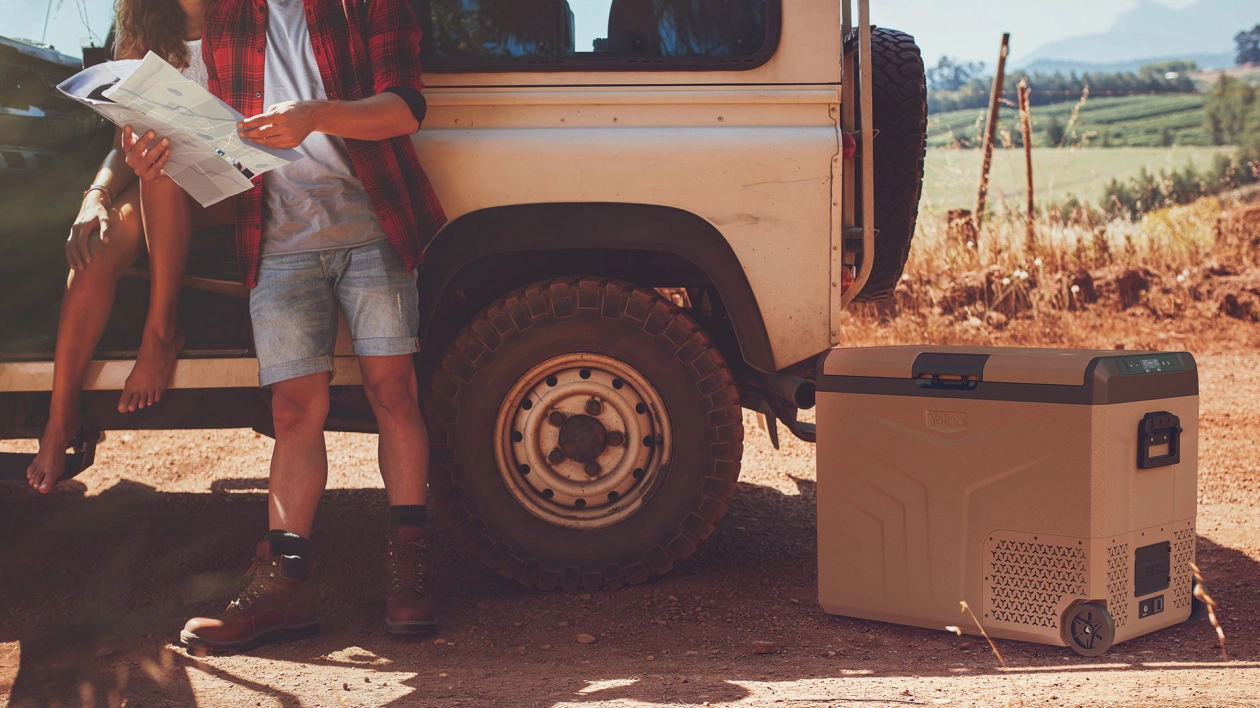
[{"x": 96, "y": 581}]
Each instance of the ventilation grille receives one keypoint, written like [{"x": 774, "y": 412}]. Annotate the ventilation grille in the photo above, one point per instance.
[
  {"x": 1182, "y": 576},
  {"x": 1118, "y": 583},
  {"x": 1028, "y": 580}
]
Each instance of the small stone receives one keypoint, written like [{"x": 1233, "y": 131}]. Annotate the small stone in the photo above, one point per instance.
[
  {"x": 516, "y": 624},
  {"x": 585, "y": 596},
  {"x": 794, "y": 601},
  {"x": 367, "y": 680},
  {"x": 831, "y": 654},
  {"x": 763, "y": 647},
  {"x": 345, "y": 686},
  {"x": 691, "y": 653},
  {"x": 651, "y": 658},
  {"x": 673, "y": 599},
  {"x": 545, "y": 646},
  {"x": 563, "y": 624},
  {"x": 439, "y": 640},
  {"x": 585, "y": 638}
]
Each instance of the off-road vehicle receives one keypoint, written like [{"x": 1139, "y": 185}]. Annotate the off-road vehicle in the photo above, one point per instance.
[{"x": 658, "y": 211}]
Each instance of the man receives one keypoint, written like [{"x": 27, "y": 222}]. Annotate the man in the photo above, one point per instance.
[{"x": 343, "y": 227}]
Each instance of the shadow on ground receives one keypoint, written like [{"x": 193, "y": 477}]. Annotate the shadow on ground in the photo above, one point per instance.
[{"x": 94, "y": 589}]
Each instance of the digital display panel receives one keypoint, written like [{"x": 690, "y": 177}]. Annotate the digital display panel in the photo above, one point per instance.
[{"x": 1149, "y": 364}]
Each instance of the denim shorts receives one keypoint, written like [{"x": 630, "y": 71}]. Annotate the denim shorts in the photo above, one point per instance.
[{"x": 294, "y": 308}]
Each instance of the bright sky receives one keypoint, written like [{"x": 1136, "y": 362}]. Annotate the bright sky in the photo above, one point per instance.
[{"x": 969, "y": 29}]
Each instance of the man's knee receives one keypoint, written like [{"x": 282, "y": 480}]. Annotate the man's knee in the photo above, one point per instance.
[
  {"x": 393, "y": 395},
  {"x": 298, "y": 404}
]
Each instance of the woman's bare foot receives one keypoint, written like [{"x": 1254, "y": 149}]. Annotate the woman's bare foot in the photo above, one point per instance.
[
  {"x": 50, "y": 461},
  {"x": 152, "y": 373}
]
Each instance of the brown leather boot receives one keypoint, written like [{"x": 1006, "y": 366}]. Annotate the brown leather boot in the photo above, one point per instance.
[
  {"x": 408, "y": 608},
  {"x": 275, "y": 607}
]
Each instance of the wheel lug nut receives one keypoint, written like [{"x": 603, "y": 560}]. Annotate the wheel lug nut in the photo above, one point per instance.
[
  {"x": 556, "y": 418},
  {"x": 555, "y": 457},
  {"x": 616, "y": 439},
  {"x": 594, "y": 407},
  {"x": 592, "y": 469}
]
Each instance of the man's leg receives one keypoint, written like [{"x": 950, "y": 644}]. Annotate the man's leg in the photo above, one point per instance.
[
  {"x": 294, "y": 315},
  {"x": 379, "y": 299},
  {"x": 403, "y": 444},
  {"x": 299, "y": 463}
]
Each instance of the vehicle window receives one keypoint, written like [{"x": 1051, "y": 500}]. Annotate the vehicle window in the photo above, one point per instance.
[
  {"x": 22, "y": 89},
  {"x": 583, "y": 33}
]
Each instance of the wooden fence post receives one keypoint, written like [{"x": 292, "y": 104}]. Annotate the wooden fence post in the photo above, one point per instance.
[
  {"x": 1025, "y": 116},
  {"x": 990, "y": 129}
]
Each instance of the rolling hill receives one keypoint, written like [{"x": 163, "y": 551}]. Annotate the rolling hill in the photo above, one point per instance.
[{"x": 1113, "y": 121}]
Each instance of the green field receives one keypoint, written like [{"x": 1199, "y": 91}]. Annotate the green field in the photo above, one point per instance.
[
  {"x": 951, "y": 177},
  {"x": 1119, "y": 121}
]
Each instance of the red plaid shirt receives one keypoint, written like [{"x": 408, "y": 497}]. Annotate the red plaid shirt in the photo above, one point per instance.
[{"x": 363, "y": 48}]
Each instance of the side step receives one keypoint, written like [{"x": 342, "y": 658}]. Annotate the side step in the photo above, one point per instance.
[{"x": 13, "y": 465}]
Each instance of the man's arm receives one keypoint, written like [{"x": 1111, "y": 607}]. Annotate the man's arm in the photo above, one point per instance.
[
  {"x": 393, "y": 44},
  {"x": 286, "y": 125}
]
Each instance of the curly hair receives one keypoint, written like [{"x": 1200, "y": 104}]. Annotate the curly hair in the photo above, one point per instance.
[{"x": 156, "y": 26}]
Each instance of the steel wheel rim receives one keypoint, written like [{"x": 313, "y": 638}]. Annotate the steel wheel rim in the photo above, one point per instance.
[{"x": 566, "y": 492}]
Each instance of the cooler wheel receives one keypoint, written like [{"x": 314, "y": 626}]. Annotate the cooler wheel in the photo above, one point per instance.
[{"x": 1089, "y": 629}]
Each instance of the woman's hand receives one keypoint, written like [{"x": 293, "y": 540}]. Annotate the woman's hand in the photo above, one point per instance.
[
  {"x": 93, "y": 222},
  {"x": 146, "y": 155}
]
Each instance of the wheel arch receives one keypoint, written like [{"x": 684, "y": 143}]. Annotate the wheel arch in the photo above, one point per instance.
[{"x": 517, "y": 244}]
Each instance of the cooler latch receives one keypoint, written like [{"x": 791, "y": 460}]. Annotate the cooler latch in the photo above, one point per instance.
[{"x": 1159, "y": 440}]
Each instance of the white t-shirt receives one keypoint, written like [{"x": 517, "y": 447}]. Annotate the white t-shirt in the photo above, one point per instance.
[
  {"x": 317, "y": 203},
  {"x": 196, "y": 69}
]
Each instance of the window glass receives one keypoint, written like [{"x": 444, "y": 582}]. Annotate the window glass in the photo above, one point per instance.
[{"x": 558, "y": 30}]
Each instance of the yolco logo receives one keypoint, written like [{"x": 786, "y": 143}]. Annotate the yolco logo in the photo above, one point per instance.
[{"x": 946, "y": 421}]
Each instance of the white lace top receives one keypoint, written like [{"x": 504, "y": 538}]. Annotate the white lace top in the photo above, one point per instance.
[{"x": 196, "y": 65}]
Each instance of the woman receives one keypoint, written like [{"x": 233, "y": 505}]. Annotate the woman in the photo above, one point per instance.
[{"x": 130, "y": 205}]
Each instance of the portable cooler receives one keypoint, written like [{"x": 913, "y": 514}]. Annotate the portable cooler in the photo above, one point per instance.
[{"x": 1052, "y": 490}]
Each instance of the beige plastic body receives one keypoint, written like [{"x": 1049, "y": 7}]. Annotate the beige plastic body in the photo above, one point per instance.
[{"x": 1020, "y": 509}]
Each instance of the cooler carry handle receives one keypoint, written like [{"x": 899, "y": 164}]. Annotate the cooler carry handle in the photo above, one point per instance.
[
  {"x": 940, "y": 370},
  {"x": 1159, "y": 428}
]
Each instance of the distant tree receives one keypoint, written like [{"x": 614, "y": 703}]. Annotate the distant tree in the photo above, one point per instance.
[
  {"x": 1163, "y": 69},
  {"x": 1165, "y": 136},
  {"x": 1230, "y": 115},
  {"x": 1054, "y": 132},
  {"x": 951, "y": 74},
  {"x": 1248, "y": 46}
]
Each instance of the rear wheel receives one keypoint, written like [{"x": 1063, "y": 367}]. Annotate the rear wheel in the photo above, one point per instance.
[{"x": 585, "y": 433}]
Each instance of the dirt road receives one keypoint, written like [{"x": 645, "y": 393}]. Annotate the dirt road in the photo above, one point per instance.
[{"x": 96, "y": 581}]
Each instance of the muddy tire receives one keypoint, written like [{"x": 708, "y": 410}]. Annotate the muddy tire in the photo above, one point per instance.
[
  {"x": 899, "y": 114},
  {"x": 585, "y": 433}
]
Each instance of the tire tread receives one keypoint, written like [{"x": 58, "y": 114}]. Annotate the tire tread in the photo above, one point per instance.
[{"x": 564, "y": 298}]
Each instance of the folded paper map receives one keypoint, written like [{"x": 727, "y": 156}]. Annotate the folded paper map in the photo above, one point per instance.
[{"x": 209, "y": 159}]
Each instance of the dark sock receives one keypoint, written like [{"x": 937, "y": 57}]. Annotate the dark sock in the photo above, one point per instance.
[
  {"x": 295, "y": 549},
  {"x": 414, "y": 515}
]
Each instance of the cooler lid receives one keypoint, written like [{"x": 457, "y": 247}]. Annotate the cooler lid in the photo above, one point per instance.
[{"x": 1067, "y": 375}]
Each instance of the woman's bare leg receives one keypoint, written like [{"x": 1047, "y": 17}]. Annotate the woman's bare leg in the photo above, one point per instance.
[
  {"x": 167, "y": 217},
  {"x": 84, "y": 313}
]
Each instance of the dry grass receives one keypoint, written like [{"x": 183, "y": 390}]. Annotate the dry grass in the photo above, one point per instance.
[{"x": 1157, "y": 283}]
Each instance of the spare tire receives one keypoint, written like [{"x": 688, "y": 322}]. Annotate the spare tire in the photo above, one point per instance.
[{"x": 899, "y": 108}]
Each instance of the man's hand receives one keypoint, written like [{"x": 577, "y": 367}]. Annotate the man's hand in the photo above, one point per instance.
[
  {"x": 284, "y": 125},
  {"x": 91, "y": 223},
  {"x": 146, "y": 155}
]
